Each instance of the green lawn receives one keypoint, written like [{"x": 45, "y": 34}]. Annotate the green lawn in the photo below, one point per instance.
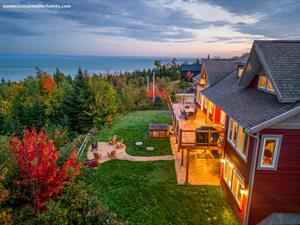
[
  {"x": 145, "y": 193},
  {"x": 134, "y": 127}
]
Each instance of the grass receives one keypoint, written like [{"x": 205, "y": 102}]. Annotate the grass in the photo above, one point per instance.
[
  {"x": 146, "y": 193},
  {"x": 134, "y": 127}
]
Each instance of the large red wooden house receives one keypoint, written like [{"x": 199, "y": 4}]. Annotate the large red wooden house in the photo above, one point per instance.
[{"x": 256, "y": 101}]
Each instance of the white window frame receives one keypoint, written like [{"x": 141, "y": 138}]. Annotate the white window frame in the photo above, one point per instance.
[
  {"x": 267, "y": 83},
  {"x": 239, "y": 151},
  {"x": 241, "y": 180},
  {"x": 229, "y": 183},
  {"x": 267, "y": 87},
  {"x": 264, "y": 138}
]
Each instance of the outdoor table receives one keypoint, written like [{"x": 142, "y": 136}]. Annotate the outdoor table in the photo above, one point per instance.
[{"x": 158, "y": 130}]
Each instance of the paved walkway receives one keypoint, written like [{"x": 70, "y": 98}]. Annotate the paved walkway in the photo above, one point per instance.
[{"x": 104, "y": 148}]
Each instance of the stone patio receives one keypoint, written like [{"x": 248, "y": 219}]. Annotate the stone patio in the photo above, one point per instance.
[
  {"x": 203, "y": 169},
  {"x": 103, "y": 148}
]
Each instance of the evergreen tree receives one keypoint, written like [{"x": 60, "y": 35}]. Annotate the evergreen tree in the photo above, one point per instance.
[{"x": 78, "y": 104}]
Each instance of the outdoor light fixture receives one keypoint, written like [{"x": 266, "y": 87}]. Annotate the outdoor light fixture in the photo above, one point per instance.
[{"x": 244, "y": 192}]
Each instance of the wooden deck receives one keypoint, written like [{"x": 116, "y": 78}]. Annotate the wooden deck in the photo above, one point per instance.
[{"x": 194, "y": 164}]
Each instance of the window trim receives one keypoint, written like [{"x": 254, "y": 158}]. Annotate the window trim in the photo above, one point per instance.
[
  {"x": 227, "y": 160},
  {"x": 278, "y": 139},
  {"x": 242, "y": 181},
  {"x": 230, "y": 186},
  {"x": 266, "y": 89},
  {"x": 259, "y": 86},
  {"x": 244, "y": 157}
]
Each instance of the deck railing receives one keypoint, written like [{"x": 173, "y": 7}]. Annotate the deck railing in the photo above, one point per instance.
[
  {"x": 208, "y": 139},
  {"x": 185, "y": 98}
]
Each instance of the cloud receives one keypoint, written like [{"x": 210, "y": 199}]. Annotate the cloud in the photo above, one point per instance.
[
  {"x": 14, "y": 29},
  {"x": 177, "y": 25}
]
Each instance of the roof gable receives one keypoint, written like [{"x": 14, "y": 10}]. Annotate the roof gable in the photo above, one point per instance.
[
  {"x": 281, "y": 62},
  {"x": 217, "y": 69}
]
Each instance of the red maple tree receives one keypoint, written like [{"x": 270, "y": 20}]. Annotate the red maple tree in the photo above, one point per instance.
[{"x": 41, "y": 178}]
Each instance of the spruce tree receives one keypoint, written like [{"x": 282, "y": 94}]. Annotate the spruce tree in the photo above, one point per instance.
[{"x": 78, "y": 105}]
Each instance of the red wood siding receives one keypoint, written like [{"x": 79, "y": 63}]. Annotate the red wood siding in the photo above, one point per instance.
[
  {"x": 243, "y": 167},
  {"x": 217, "y": 114},
  {"x": 254, "y": 83},
  {"x": 278, "y": 190}
]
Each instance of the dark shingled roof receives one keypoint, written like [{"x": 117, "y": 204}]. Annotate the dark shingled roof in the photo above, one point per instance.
[
  {"x": 216, "y": 69},
  {"x": 247, "y": 106},
  {"x": 282, "y": 60},
  {"x": 191, "y": 67},
  {"x": 197, "y": 78}
]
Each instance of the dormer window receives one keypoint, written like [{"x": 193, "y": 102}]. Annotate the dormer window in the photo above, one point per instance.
[
  {"x": 265, "y": 84},
  {"x": 240, "y": 70}
]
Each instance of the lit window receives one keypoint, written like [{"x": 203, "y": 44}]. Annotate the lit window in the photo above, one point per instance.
[
  {"x": 228, "y": 170},
  {"x": 240, "y": 71},
  {"x": 269, "y": 152},
  {"x": 270, "y": 86},
  {"x": 237, "y": 187},
  {"x": 211, "y": 107},
  {"x": 265, "y": 84},
  {"x": 234, "y": 181},
  {"x": 262, "y": 82},
  {"x": 238, "y": 137}
]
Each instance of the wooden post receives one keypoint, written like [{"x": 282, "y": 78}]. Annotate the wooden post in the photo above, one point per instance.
[
  {"x": 182, "y": 155},
  {"x": 187, "y": 167},
  {"x": 180, "y": 138}
]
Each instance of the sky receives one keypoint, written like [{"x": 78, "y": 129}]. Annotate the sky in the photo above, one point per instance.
[{"x": 190, "y": 28}]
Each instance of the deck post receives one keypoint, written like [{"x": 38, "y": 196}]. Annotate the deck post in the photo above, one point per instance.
[
  {"x": 187, "y": 167},
  {"x": 179, "y": 141}
]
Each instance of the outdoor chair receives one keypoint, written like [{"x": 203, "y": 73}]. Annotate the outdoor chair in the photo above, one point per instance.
[
  {"x": 97, "y": 156},
  {"x": 112, "y": 154}
]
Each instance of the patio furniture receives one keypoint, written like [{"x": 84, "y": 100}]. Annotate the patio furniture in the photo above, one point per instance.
[
  {"x": 113, "y": 140},
  {"x": 158, "y": 130},
  {"x": 112, "y": 154},
  {"x": 120, "y": 144},
  {"x": 97, "y": 156},
  {"x": 94, "y": 145},
  {"x": 206, "y": 138},
  {"x": 183, "y": 114}
]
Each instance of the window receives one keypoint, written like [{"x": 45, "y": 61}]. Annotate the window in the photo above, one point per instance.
[
  {"x": 228, "y": 170},
  {"x": 234, "y": 181},
  {"x": 265, "y": 84},
  {"x": 237, "y": 187},
  {"x": 269, "y": 152},
  {"x": 205, "y": 102},
  {"x": 270, "y": 86},
  {"x": 238, "y": 137},
  {"x": 240, "y": 71},
  {"x": 262, "y": 82},
  {"x": 211, "y": 107}
]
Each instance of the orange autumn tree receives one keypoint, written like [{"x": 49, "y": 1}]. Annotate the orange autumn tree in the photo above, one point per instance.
[
  {"x": 48, "y": 83},
  {"x": 40, "y": 177}
]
